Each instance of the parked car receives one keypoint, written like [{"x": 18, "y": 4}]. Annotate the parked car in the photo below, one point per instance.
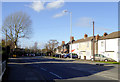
[
  {"x": 64, "y": 55},
  {"x": 37, "y": 54},
  {"x": 57, "y": 55},
  {"x": 29, "y": 54},
  {"x": 26, "y": 54},
  {"x": 32, "y": 54},
  {"x": 100, "y": 57},
  {"x": 73, "y": 55}
]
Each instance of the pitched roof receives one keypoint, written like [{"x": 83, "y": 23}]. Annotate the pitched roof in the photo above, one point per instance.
[
  {"x": 83, "y": 40},
  {"x": 111, "y": 35}
]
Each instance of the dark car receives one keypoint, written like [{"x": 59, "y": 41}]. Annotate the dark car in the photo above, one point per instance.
[
  {"x": 64, "y": 55},
  {"x": 73, "y": 55},
  {"x": 57, "y": 55}
]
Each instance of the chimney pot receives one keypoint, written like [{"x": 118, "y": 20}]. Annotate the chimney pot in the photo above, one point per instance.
[
  {"x": 105, "y": 34},
  {"x": 71, "y": 38},
  {"x": 63, "y": 42},
  {"x": 97, "y": 37},
  {"x": 85, "y": 36}
]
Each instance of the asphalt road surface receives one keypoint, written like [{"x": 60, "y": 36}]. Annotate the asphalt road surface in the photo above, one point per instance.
[{"x": 48, "y": 69}]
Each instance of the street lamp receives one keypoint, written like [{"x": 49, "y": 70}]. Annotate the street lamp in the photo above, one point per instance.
[
  {"x": 93, "y": 44},
  {"x": 70, "y": 29}
]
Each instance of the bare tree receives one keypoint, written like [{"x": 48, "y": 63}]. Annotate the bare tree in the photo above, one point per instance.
[
  {"x": 16, "y": 26},
  {"x": 46, "y": 47},
  {"x": 35, "y": 45},
  {"x": 52, "y": 44}
]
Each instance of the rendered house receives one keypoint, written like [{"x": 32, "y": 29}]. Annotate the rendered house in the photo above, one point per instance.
[
  {"x": 109, "y": 45},
  {"x": 63, "y": 47},
  {"x": 75, "y": 47},
  {"x": 84, "y": 47},
  {"x": 66, "y": 47}
]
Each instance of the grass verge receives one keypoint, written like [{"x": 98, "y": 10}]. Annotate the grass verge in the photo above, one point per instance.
[
  {"x": 53, "y": 57},
  {"x": 109, "y": 62}
]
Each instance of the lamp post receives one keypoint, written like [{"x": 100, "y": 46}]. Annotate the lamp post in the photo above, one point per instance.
[
  {"x": 70, "y": 29},
  {"x": 93, "y": 44}
]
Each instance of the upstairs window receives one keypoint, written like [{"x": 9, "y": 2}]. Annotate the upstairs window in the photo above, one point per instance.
[
  {"x": 88, "y": 44},
  {"x": 102, "y": 44}
]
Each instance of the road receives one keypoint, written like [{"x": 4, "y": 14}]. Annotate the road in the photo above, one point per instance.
[{"x": 49, "y": 69}]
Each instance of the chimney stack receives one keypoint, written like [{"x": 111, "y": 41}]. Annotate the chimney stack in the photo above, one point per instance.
[
  {"x": 71, "y": 38},
  {"x": 105, "y": 34},
  {"x": 97, "y": 37},
  {"x": 63, "y": 42},
  {"x": 85, "y": 36}
]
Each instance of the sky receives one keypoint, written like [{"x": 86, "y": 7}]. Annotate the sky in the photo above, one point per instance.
[{"x": 49, "y": 21}]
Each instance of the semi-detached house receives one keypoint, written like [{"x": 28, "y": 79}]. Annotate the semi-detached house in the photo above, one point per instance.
[
  {"x": 64, "y": 48},
  {"x": 109, "y": 45},
  {"x": 83, "y": 47}
]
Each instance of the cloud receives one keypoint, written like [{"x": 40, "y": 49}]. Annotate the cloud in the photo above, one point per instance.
[
  {"x": 104, "y": 29},
  {"x": 37, "y": 6},
  {"x": 59, "y": 14},
  {"x": 84, "y": 22},
  {"x": 55, "y": 4}
]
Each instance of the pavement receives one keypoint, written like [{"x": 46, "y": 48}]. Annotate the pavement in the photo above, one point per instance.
[{"x": 55, "y": 69}]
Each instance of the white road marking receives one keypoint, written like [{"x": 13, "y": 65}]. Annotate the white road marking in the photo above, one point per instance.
[
  {"x": 55, "y": 75},
  {"x": 43, "y": 69},
  {"x": 52, "y": 73}
]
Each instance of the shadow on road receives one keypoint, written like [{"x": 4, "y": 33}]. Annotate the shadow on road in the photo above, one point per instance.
[
  {"x": 20, "y": 69},
  {"x": 36, "y": 60}
]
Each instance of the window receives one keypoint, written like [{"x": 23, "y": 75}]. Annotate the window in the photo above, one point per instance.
[
  {"x": 88, "y": 44},
  {"x": 102, "y": 44}
]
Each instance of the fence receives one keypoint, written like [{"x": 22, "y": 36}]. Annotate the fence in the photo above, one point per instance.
[
  {"x": 3, "y": 62},
  {"x": 2, "y": 69}
]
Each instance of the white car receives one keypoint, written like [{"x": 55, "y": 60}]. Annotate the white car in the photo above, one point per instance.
[{"x": 100, "y": 57}]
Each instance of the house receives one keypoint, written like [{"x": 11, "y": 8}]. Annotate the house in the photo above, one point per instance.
[
  {"x": 75, "y": 47},
  {"x": 65, "y": 47},
  {"x": 84, "y": 47},
  {"x": 108, "y": 45}
]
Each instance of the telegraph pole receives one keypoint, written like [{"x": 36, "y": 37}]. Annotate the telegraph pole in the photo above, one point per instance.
[{"x": 93, "y": 43}]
